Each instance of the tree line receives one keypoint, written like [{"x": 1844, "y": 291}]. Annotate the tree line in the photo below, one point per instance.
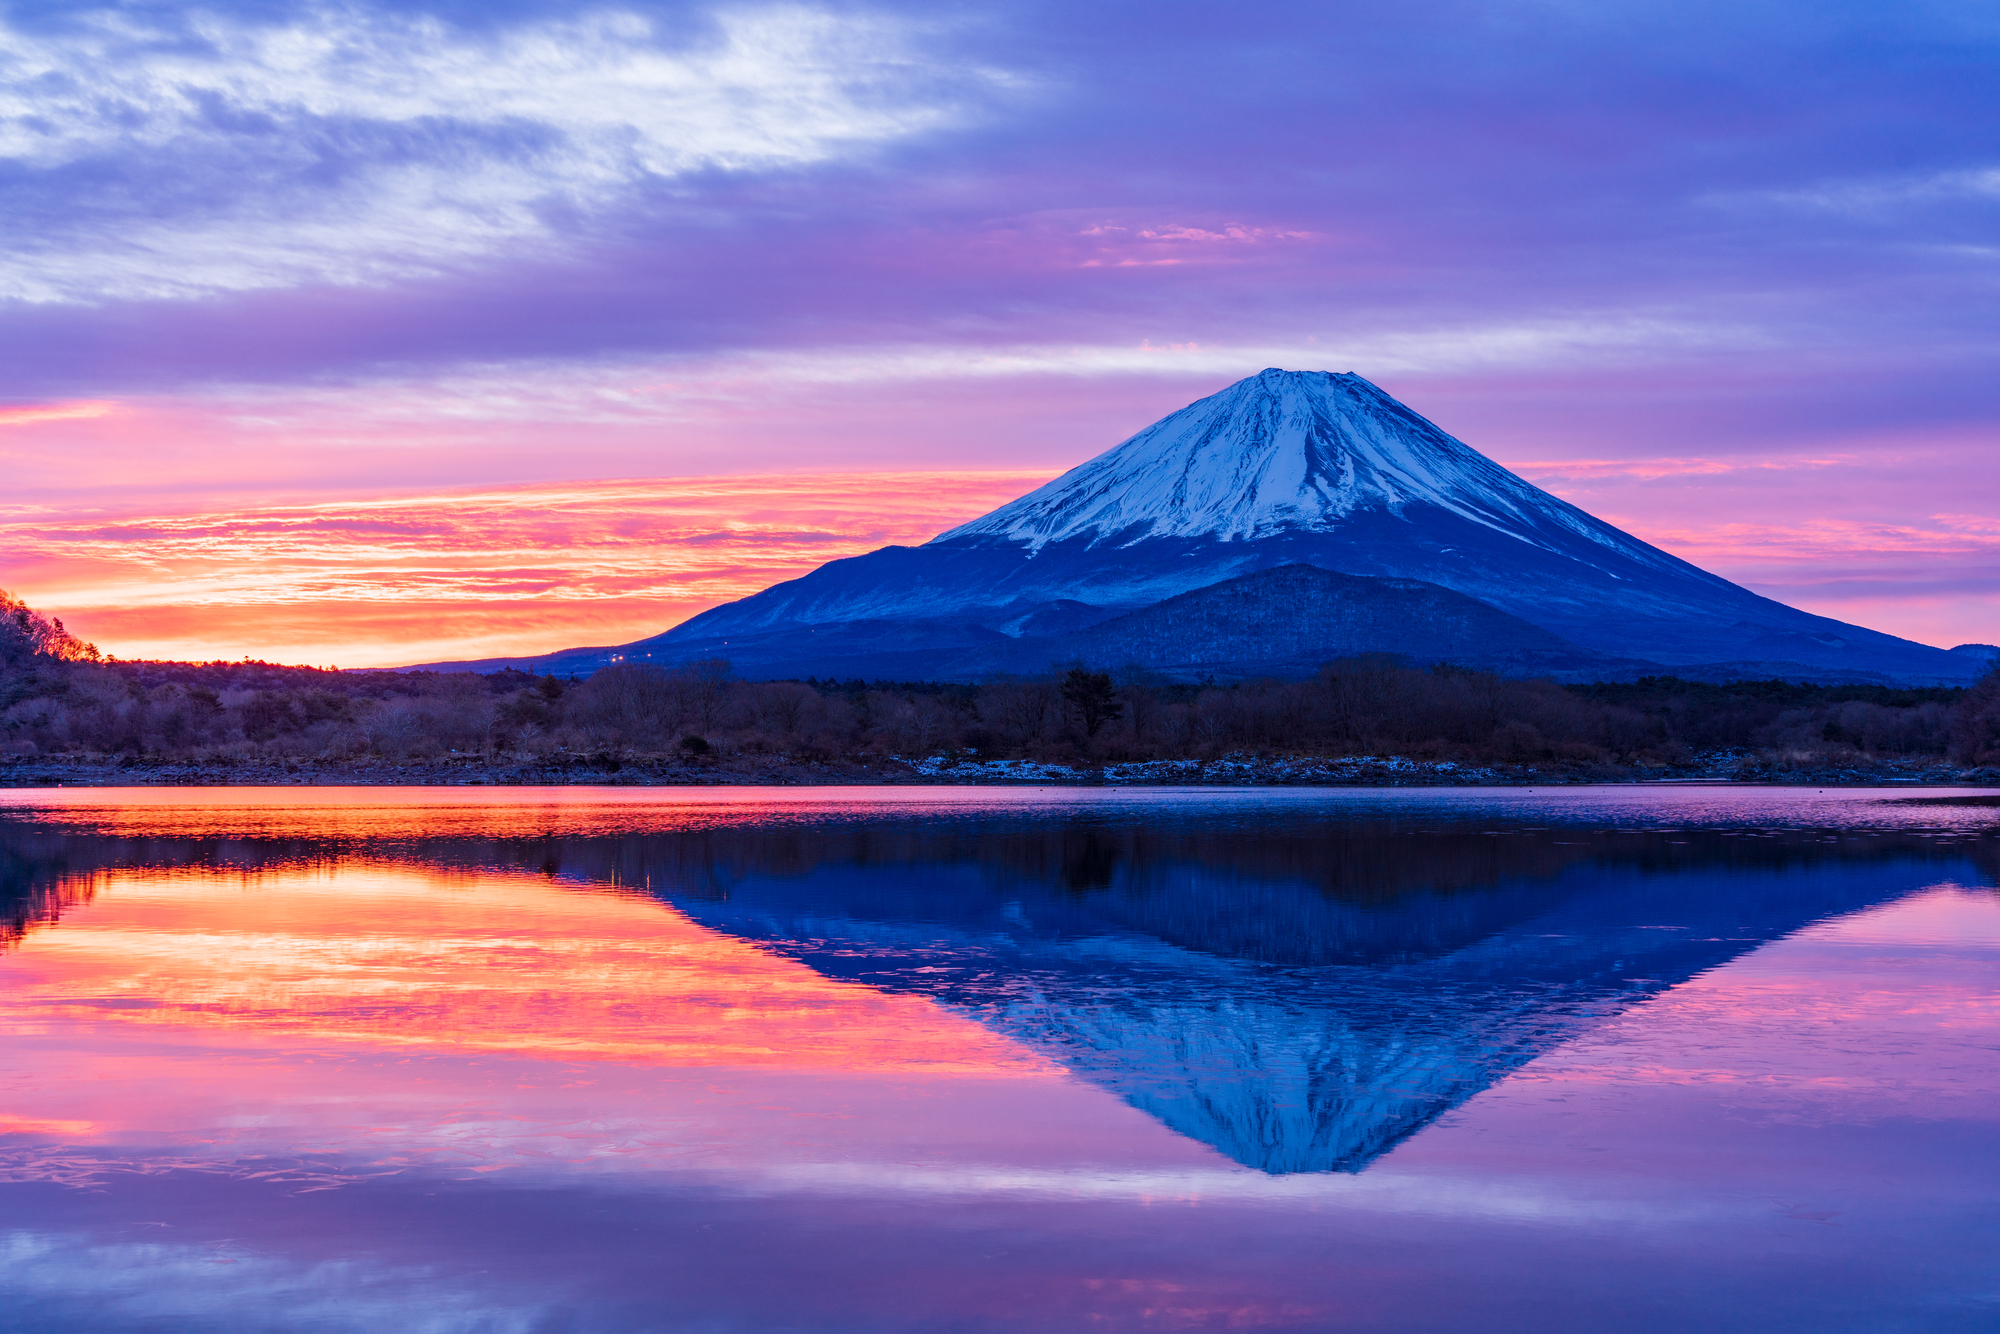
[{"x": 60, "y": 697}]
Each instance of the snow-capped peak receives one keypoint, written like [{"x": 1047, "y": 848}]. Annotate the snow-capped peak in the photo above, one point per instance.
[{"x": 1298, "y": 450}]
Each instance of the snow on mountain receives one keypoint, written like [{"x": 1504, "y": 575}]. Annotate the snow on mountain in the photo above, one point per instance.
[{"x": 1297, "y": 450}]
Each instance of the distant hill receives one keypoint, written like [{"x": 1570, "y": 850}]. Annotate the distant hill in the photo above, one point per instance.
[
  {"x": 1282, "y": 622},
  {"x": 1288, "y": 621}
]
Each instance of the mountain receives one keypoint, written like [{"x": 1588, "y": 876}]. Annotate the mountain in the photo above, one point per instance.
[
  {"x": 1283, "y": 468},
  {"x": 1288, "y": 621},
  {"x": 1282, "y": 622}
]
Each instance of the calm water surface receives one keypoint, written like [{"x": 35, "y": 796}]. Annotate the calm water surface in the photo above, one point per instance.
[{"x": 612, "y": 1060}]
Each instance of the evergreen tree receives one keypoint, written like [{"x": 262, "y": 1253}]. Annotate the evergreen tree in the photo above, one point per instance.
[{"x": 1092, "y": 695}]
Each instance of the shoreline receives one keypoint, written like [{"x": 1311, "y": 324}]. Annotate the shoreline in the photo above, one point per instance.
[{"x": 1230, "y": 771}]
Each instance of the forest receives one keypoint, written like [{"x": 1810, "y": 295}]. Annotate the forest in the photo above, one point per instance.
[{"x": 60, "y": 697}]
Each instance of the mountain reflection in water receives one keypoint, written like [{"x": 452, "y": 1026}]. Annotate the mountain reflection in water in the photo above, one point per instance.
[{"x": 1299, "y": 991}]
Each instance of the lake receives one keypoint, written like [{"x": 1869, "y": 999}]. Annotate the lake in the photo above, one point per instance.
[{"x": 578, "y": 1060}]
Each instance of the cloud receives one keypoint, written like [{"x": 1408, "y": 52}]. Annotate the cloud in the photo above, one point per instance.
[
  {"x": 1833, "y": 543},
  {"x": 1930, "y": 579},
  {"x": 1610, "y": 338},
  {"x": 1877, "y": 198},
  {"x": 52, "y": 412},
  {"x": 354, "y": 146},
  {"x": 1173, "y": 243},
  {"x": 453, "y": 574},
  {"x": 1653, "y": 469},
  {"x": 289, "y": 199}
]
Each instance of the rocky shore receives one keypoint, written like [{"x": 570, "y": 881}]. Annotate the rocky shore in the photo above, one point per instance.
[{"x": 782, "y": 771}]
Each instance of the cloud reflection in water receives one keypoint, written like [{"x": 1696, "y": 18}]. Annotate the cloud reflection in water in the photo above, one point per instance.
[{"x": 617, "y": 1061}]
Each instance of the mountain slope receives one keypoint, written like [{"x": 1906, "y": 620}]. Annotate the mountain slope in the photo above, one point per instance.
[
  {"x": 1282, "y": 622},
  {"x": 1321, "y": 469},
  {"x": 1288, "y": 621}
]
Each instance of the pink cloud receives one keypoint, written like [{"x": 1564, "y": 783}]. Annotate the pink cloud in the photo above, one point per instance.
[
  {"x": 1644, "y": 469},
  {"x": 50, "y": 412},
  {"x": 1057, "y": 240}
]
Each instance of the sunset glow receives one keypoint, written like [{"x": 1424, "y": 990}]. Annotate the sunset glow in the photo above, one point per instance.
[
  {"x": 246, "y": 565},
  {"x": 477, "y": 574},
  {"x": 805, "y": 1059},
  {"x": 267, "y": 260},
  {"x": 998, "y": 668}
]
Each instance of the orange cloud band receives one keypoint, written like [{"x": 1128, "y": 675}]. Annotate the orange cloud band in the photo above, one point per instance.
[
  {"x": 28, "y": 413},
  {"x": 499, "y": 571}
]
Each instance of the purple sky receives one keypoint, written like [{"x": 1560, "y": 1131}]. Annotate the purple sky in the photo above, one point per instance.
[{"x": 1723, "y": 274}]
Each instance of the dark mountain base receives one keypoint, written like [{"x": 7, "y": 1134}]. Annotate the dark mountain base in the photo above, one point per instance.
[
  {"x": 963, "y": 587},
  {"x": 1282, "y": 623}
]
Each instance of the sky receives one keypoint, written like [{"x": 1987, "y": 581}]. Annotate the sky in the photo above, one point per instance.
[{"x": 368, "y": 334}]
